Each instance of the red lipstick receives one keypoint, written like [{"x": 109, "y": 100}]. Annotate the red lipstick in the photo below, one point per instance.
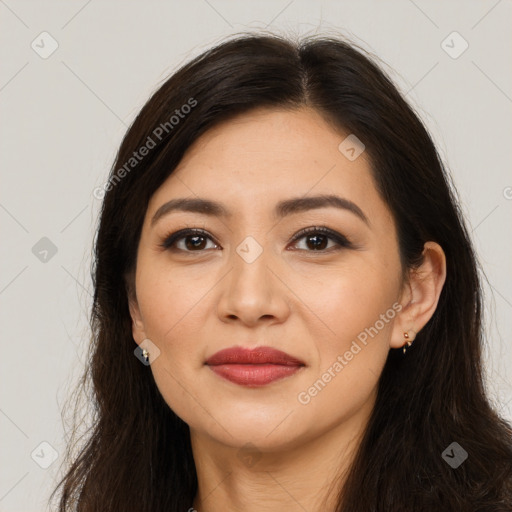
[{"x": 253, "y": 367}]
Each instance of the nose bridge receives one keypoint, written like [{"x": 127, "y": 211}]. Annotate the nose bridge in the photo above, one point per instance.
[
  {"x": 251, "y": 253},
  {"x": 250, "y": 262},
  {"x": 252, "y": 291}
]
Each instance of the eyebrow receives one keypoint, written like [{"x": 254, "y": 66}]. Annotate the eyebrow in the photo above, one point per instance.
[{"x": 282, "y": 209}]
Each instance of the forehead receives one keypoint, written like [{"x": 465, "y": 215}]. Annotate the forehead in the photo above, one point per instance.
[{"x": 266, "y": 155}]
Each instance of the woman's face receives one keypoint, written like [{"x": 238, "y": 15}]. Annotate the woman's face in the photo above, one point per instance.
[{"x": 330, "y": 303}]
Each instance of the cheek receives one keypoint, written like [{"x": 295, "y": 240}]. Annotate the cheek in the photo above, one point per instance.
[
  {"x": 172, "y": 303},
  {"x": 356, "y": 310},
  {"x": 170, "y": 298},
  {"x": 351, "y": 356},
  {"x": 349, "y": 295}
]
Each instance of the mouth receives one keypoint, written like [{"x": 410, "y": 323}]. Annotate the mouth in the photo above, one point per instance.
[{"x": 253, "y": 367}]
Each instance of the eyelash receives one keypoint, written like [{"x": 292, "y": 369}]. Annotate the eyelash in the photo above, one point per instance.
[{"x": 342, "y": 241}]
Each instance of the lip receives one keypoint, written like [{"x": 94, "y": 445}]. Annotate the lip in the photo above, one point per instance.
[{"x": 253, "y": 367}]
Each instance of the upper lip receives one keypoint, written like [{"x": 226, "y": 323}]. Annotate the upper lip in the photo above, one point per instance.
[{"x": 258, "y": 355}]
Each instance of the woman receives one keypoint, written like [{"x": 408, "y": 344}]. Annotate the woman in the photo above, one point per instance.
[{"x": 287, "y": 312}]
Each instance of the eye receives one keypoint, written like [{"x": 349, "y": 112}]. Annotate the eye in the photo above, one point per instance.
[
  {"x": 195, "y": 240},
  {"x": 317, "y": 239}
]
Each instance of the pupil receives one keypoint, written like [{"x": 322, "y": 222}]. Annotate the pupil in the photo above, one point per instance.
[
  {"x": 318, "y": 243},
  {"x": 195, "y": 244}
]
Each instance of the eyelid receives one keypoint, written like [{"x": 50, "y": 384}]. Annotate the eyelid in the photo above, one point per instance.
[
  {"x": 338, "y": 238},
  {"x": 173, "y": 237}
]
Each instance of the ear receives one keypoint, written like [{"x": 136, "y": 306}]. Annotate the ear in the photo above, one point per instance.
[
  {"x": 138, "y": 332},
  {"x": 420, "y": 295}
]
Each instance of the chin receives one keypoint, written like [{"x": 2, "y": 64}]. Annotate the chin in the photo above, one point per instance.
[{"x": 266, "y": 433}]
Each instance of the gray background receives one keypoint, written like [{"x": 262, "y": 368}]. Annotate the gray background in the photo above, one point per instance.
[{"x": 63, "y": 118}]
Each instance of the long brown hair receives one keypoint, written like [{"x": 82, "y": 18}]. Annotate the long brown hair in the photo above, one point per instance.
[{"x": 137, "y": 454}]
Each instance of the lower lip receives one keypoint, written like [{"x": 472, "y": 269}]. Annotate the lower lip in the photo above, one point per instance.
[{"x": 253, "y": 375}]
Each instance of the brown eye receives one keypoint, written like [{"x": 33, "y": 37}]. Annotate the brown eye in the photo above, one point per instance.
[
  {"x": 316, "y": 242},
  {"x": 188, "y": 240},
  {"x": 195, "y": 242},
  {"x": 317, "y": 239}
]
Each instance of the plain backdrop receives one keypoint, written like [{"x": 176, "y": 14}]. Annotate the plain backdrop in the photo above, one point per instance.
[{"x": 64, "y": 114}]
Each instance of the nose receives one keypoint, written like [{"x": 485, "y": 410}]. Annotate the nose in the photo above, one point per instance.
[{"x": 253, "y": 292}]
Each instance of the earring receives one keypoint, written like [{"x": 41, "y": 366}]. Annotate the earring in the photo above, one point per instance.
[
  {"x": 145, "y": 355},
  {"x": 409, "y": 343}
]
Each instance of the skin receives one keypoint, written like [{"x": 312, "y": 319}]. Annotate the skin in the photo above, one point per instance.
[{"x": 309, "y": 303}]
